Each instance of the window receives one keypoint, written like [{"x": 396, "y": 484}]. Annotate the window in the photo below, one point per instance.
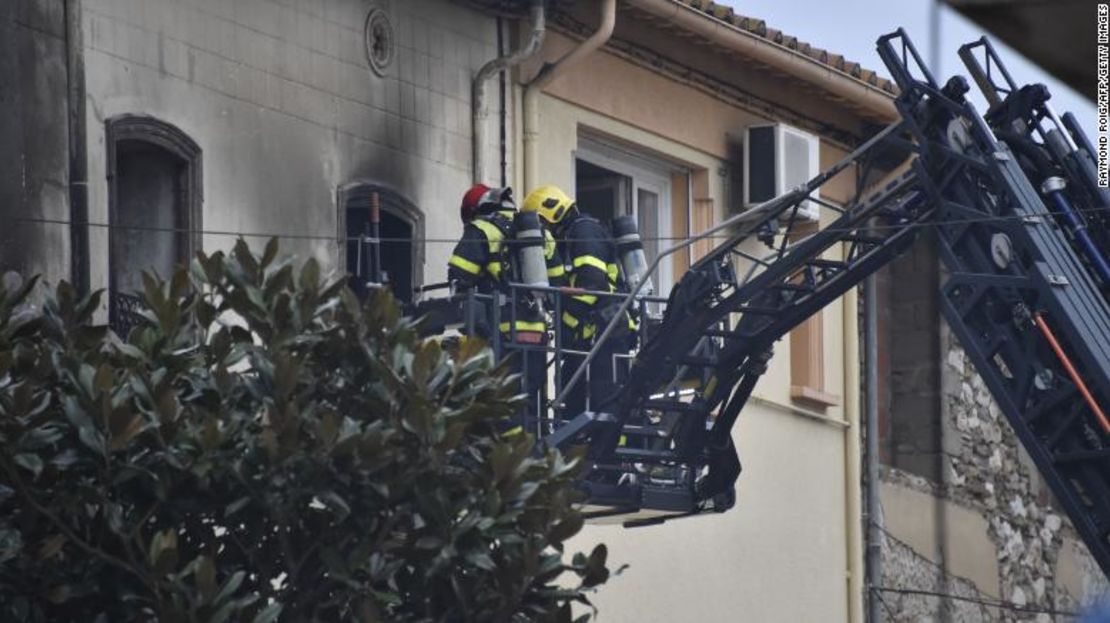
[
  {"x": 154, "y": 186},
  {"x": 807, "y": 353},
  {"x": 401, "y": 230},
  {"x": 611, "y": 181}
]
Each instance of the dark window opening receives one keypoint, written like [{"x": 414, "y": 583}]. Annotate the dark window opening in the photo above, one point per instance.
[
  {"x": 154, "y": 205},
  {"x": 606, "y": 194},
  {"x": 401, "y": 254},
  {"x": 603, "y": 194}
]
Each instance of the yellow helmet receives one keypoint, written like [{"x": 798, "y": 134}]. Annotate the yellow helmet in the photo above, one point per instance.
[{"x": 550, "y": 202}]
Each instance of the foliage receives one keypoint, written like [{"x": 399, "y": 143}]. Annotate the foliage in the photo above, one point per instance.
[{"x": 263, "y": 448}]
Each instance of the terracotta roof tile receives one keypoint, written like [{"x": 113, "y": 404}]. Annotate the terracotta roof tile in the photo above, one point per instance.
[{"x": 759, "y": 27}]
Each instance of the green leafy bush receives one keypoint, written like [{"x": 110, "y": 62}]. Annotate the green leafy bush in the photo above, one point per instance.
[{"x": 262, "y": 448}]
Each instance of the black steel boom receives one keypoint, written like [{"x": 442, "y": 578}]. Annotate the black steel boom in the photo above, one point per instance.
[{"x": 1021, "y": 225}]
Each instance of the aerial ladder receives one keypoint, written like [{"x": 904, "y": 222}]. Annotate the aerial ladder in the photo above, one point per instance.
[{"x": 1022, "y": 228}]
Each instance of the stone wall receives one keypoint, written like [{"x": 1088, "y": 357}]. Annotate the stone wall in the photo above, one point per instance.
[
  {"x": 990, "y": 501},
  {"x": 1041, "y": 560}
]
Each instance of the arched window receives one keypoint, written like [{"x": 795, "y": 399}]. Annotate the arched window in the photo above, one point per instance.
[
  {"x": 401, "y": 233},
  {"x": 154, "y": 206}
]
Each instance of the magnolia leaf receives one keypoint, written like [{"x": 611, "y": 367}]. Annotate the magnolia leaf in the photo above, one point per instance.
[
  {"x": 270, "y": 253},
  {"x": 310, "y": 275},
  {"x": 336, "y": 504},
  {"x": 51, "y": 546},
  {"x": 596, "y": 572},
  {"x": 205, "y": 577},
  {"x": 566, "y": 529},
  {"x": 105, "y": 378},
  {"x": 230, "y": 586},
  {"x": 329, "y": 428},
  {"x": 30, "y": 462},
  {"x": 134, "y": 427},
  {"x": 269, "y": 614},
  {"x": 163, "y": 550},
  {"x": 246, "y": 259}
]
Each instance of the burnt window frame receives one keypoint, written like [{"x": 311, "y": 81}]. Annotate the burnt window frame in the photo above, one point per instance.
[
  {"x": 164, "y": 135},
  {"x": 391, "y": 201}
]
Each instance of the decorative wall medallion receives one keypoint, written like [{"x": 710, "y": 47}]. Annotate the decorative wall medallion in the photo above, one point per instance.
[{"x": 380, "y": 43}]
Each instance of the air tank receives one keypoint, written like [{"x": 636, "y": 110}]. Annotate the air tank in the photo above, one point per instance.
[
  {"x": 630, "y": 249},
  {"x": 531, "y": 268}
]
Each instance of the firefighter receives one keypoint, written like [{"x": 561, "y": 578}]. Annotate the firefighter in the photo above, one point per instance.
[
  {"x": 591, "y": 264},
  {"x": 481, "y": 260}
]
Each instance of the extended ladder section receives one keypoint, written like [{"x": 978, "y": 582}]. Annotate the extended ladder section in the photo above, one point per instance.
[{"x": 1022, "y": 228}]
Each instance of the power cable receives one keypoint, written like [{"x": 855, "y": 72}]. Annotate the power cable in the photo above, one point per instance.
[
  {"x": 427, "y": 240},
  {"x": 990, "y": 603}
]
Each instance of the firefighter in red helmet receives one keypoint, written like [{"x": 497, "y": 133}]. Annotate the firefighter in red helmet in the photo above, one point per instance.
[{"x": 482, "y": 260}]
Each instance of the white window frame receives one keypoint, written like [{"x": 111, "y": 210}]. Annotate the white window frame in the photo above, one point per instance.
[{"x": 648, "y": 174}]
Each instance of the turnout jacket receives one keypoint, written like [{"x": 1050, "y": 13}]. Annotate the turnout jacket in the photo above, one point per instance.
[
  {"x": 482, "y": 259},
  {"x": 591, "y": 258}
]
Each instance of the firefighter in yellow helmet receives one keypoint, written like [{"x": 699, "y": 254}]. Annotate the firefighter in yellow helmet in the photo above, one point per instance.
[{"x": 591, "y": 264}]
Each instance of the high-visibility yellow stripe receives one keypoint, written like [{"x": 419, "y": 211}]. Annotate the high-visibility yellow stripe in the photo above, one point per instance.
[
  {"x": 492, "y": 232},
  {"x": 549, "y": 245},
  {"x": 589, "y": 260},
  {"x": 557, "y": 271},
  {"x": 494, "y": 269},
  {"x": 513, "y": 432},
  {"x": 569, "y": 320},
  {"x": 612, "y": 272},
  {"x": 464, "y": 264},
  {"x": 588, "y": 299},
  {"x": 588, "y": 331},
  {"x": 524, "y": 325}
]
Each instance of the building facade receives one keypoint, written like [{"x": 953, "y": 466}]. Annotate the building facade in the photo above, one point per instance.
[
  {"x": 140, "y": 131},
  {"x": 652, "y": 124}
]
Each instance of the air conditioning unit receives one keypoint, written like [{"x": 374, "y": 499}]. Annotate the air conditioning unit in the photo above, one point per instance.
[{"x": 778, "y": 158}]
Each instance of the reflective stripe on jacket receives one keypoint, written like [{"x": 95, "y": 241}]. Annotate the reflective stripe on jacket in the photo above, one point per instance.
[
  {"x": 592, "y": 263},
  {"x": 479, "y": 260}
]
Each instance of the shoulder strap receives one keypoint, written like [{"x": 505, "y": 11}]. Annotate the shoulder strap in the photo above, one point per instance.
[{"x": 503, "y": 223}]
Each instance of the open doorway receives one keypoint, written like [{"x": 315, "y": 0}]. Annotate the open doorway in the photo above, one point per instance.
[{"x": 610, "y": 183}]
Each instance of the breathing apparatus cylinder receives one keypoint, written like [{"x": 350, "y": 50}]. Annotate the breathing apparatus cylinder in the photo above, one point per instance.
[
  {"x": 531, "y": 268},
  {"x": 630, "y": 249}
]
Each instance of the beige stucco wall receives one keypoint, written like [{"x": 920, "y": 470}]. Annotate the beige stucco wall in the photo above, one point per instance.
[{"x": 781, "y": 554}]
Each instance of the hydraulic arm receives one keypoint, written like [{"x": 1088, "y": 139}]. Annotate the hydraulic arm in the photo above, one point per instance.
[{"x": 1022, "y": 228}]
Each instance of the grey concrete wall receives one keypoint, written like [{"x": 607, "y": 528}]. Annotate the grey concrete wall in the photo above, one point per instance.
[
  {"x": 281, "y": 99},
  {"x": 34, "y": 174},
  {"x": 914, "y": 353}
]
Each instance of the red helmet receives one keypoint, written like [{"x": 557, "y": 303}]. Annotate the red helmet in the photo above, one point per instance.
[
  {"x": 470, "y": 202},
  {"x": 481, "y": 198}
]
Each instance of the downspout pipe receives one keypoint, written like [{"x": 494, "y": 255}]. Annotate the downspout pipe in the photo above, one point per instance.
[
  {"x": 479, "y": 107},
  {"x": 853, "y": 475},
  {"x": 874, "y": 507},
  {"x": 78, "y": 164},
  {"x": 549, "y": 72},
  {"x": 867, "y": 96}
]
